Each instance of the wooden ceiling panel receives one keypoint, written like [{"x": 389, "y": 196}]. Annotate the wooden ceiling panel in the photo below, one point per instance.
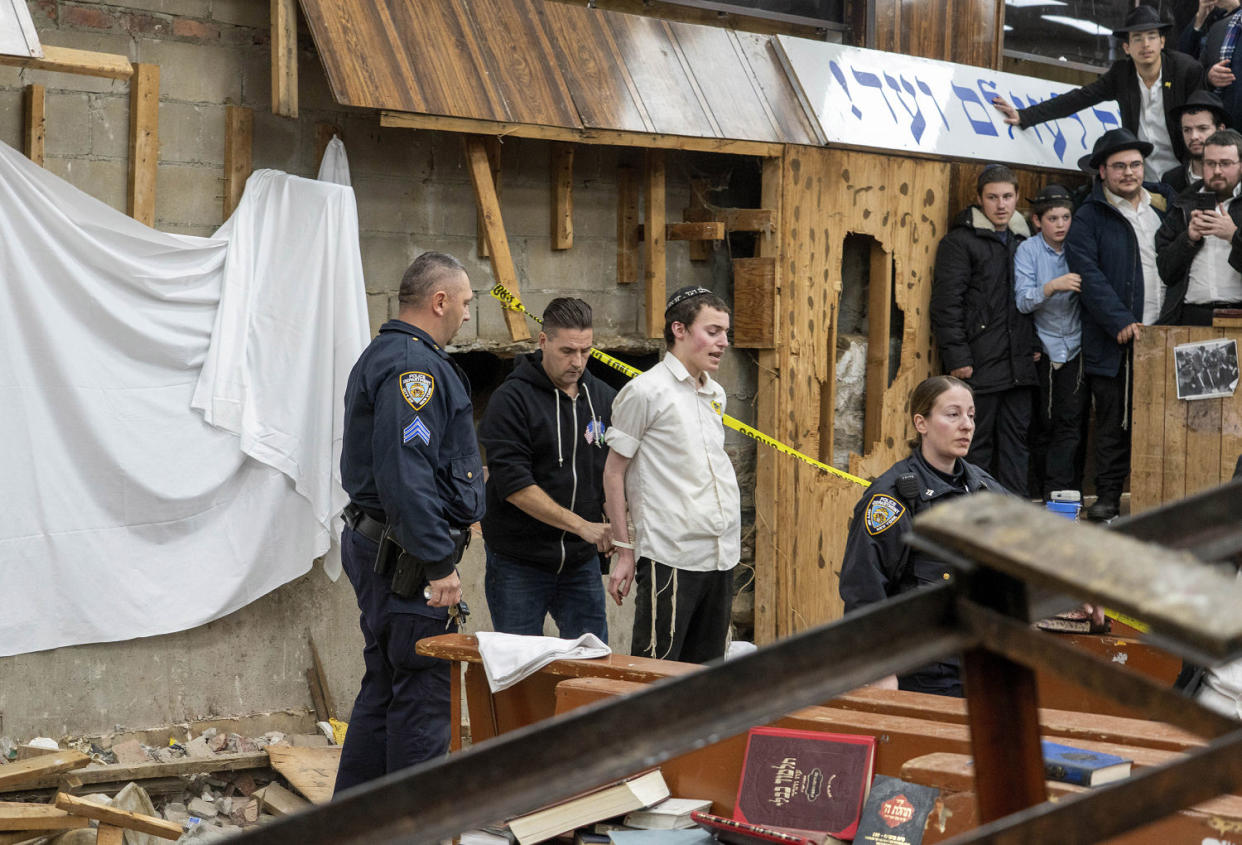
[
  {"x": 725, "y": 81},
  {"x": 791, "y": 119},
  {"x": 520, "y": 62},
  {"x": 668, "y": 93},
  {"x": 598, "y": 81},
  {"x": 538, "y": 63}
]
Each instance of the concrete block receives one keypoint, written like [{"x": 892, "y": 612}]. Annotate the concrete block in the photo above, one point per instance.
[
  {"x": 377, "y": 311},
  {"x": 11, "y": 126},
  {"x": 448, "y": 156},
  {"x": 528, "y": 161},
  {"x": 191, "y": 133},
  {"x": 377, "y": 151},
  {"x": 109, "y": 126},
  {"x": 195, "y": 73},
  {"x": 256, "y": 74},
  {"x": 105, "y": 180},
  {"x": 279, "y": 142},
  {"x": 384, "y": 260},
  {"x": 314, "y": 92},
  {"x": 526, "y": 209},
  {"x": 453, "y": 209},
  {"x": 242, "y": 13},
  {"x": 390, "y": 205},
  {"x": 589, "y": 267},
  {"x": 185, "y": 194},
  {"x": 68, "y": 121},
  {"x": 595, "y": 212}
]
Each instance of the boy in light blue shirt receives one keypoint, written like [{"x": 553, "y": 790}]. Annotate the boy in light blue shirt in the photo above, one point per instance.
[{"x": 1046, "y": 288}]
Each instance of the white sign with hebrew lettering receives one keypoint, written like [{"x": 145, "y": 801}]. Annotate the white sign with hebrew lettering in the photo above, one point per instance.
[
  {"x": 869, "y": 98},
  {"x": 18, "y": 36}
]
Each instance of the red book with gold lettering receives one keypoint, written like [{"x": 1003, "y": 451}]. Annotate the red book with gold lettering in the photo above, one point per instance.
[{"x": 805, "y": 779}]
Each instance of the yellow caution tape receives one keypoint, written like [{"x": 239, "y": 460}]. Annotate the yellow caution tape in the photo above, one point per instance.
[
  {"x": 1142, "y": 627},
  {"x": 510, "y": 301}
]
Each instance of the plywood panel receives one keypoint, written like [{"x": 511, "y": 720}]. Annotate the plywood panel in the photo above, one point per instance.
[
  {"x": 732, "y": 96},
  {"x": 826, "y": 195},
  {"x": 768, "y": 495},
  {"x": 965, "y": 31},
  {"x": 770, "y": 77},
  {"x": 1174, "y": 470},
  {"x": 754, "y": 302},
  {"x": 1147, "y": 435}
]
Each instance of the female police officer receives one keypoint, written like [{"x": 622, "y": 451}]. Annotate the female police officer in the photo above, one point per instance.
[{"x": 878, "y": 564}]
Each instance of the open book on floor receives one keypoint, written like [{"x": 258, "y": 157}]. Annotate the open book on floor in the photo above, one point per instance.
[{"x": 615, "y": 799}]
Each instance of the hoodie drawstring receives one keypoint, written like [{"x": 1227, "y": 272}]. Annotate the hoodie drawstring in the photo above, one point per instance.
[
  {"x": 594, "y": 419},
  {"x": 560, "y": 459}
]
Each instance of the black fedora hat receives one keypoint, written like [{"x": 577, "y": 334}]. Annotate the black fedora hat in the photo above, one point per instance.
[
  {"x": 1112, "y": 141},
  {"x": 1141, "y": 19},
  {"x": 1198, "y": 101}
]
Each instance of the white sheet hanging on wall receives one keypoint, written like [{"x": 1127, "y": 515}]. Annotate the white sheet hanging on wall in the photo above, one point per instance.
[{"x": 126, "y": 513}]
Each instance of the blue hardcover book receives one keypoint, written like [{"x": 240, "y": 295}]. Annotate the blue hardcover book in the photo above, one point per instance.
[{"x": 1082, "y": 767}]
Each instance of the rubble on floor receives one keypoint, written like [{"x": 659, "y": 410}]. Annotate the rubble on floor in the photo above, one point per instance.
[{"x": 194, "y": 789}]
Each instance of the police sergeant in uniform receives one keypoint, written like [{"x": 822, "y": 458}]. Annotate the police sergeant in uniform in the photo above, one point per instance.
[
  {"x": 878, "y": 563},
  {"x": 411, "y": 466}
]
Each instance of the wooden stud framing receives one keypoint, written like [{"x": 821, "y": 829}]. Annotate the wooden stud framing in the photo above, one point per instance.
[
  {"x": 768, "y": 498},
  {"x": 879, "y": 316},
  {"x": 34, "y": 129},
  {"x": 654, "y": 246},
  {"x": 144, "y": 141},
  {"x": 611, "y": 137},
  {"x": 238, "y": 154},
  {"x": 562, "y": 195},
  {"x": 627, "y": 225},
  {"x": 82, "y": 62},
  {"x": 498, "y": 244},
  {"x": 285, "y": 58},
  {"x": 492, "y": 144},
  {"x": 698, "y": 211},
  {"x": 712, "y": 230}
]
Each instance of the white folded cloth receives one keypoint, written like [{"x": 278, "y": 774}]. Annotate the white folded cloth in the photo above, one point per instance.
[{"x": 508, "y": 658}]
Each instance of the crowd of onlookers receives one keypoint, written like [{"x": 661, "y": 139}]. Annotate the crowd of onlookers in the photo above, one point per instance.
[{"x": 1040, "y": 318}]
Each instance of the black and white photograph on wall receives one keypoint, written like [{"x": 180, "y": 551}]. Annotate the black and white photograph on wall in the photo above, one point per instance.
[{"x": 1206, "y": 370}]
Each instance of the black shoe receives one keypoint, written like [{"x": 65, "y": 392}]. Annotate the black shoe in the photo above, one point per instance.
[{"x": 1103, "y": 510}]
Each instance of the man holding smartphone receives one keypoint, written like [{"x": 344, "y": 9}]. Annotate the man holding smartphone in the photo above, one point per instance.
[{"x": 1199, "y": 251}]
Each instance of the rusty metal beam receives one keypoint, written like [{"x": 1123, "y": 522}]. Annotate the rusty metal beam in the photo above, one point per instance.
[
  {"x": 1193, "y": 608},
  {"x": 545, "y": 763},
  {"x": 1106, "y": 811}
]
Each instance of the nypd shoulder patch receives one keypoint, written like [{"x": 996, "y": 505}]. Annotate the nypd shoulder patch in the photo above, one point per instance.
[
  {"x": 883, "y": 511},
  {"x": 417, "y": 429},
  {"x": 417, "y": 388}
]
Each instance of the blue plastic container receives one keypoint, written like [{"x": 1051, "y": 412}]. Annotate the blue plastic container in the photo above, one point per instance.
[{"x": 1069, "y": 510}]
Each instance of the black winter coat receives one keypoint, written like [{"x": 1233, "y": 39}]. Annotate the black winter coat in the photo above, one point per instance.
[
  {"x": 974, "y": 314},
  {"x": 1181, "y": 75},
  {"x": 1103, "y": 249},
  {"x": 535, "y": 434},
  {"x": 1175, "y": 251}
]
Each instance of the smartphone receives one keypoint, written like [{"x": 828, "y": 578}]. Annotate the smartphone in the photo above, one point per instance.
[{"x": 1205, "y": 202}]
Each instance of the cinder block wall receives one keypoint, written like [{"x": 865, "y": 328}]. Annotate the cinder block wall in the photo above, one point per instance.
[{"x": 413, "y": 194}]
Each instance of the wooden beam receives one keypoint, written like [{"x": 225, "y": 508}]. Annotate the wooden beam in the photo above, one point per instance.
[
  {"x": 497, "y": 242},
  {"x": 119, "y": 818},
  {"x": 612, "y": 137},
  {"x": 627, "y": 225},
  {"x": 493, "y": 156},
  {"x": 144, "y": 141},
  {"x": 768, "y": 496},
  {"x": 879, "y": 315},
  {"x": 81, "y": 62},
  {"x": 754, "y": 302},
  {"x": 562, "y": 195},
  {"x": 34, "y": 130},
  {"x": 110, "y": 835},
  {"x": 238, "y": 154},
  {"x": 19, "y": 816},
  {"x": 120, "y": 775},
  {"x": 26, "y": 772},
  {"x": 698, "y": 212},
  {"x": 285, "y": 58},
  {"x": 653, "y": 247},
  {"x": 735, "y": 219},
  {"x": 712, "y": 230}
]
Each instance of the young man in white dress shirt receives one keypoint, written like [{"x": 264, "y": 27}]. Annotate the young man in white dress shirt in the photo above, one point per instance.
[{"x": 669, "y": 470}]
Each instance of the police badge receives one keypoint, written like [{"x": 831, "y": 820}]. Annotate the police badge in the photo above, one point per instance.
[
  {"x": 882, "y": 513},
  {"x": 417, "y": 388}
]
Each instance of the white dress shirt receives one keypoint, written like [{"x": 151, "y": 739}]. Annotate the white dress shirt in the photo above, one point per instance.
[
  {"x": 680, "y": 487},
  {"x": 1145, "y": 223},
  {"x": 1154, "y": 128},
  {"x": 1211, "y": 277}
]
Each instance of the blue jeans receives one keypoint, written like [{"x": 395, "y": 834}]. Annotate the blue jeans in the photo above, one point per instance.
[{"x": 519, "y": 596}]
